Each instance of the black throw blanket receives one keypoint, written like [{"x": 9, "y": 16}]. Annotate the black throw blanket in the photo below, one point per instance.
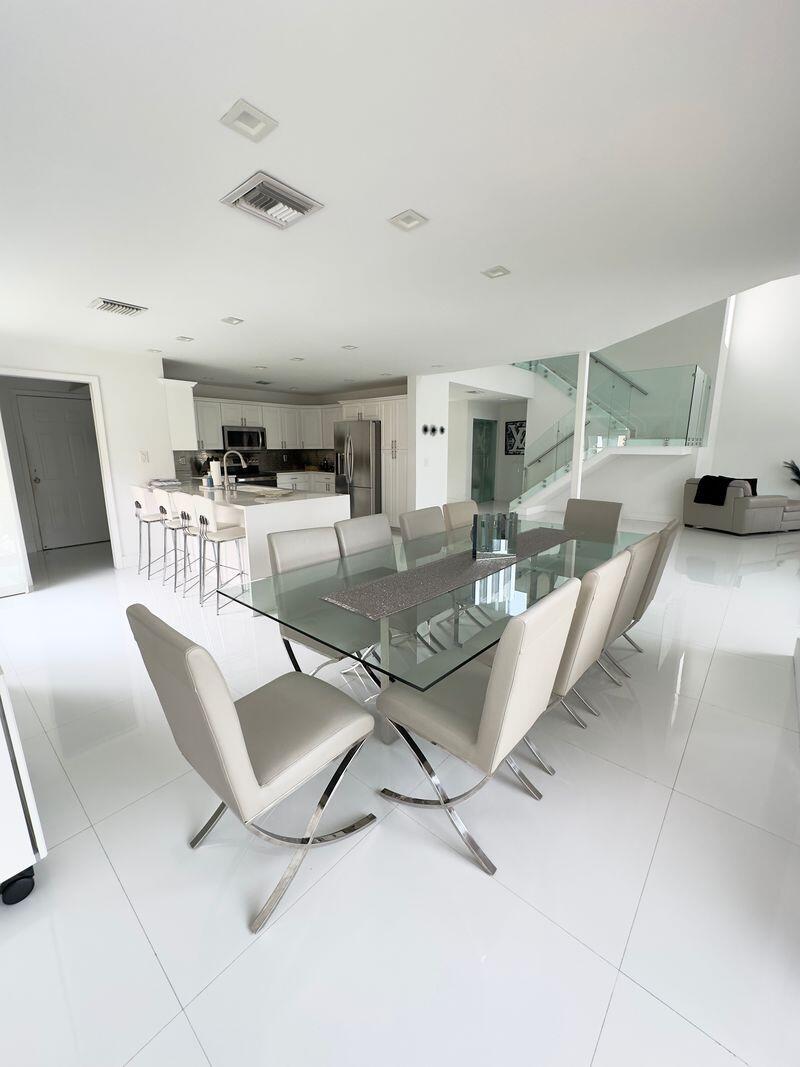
[{"x": 713, "y": 488}]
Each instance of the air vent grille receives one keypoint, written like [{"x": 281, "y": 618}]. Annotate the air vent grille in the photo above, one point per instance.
[
  {"x": 271, "y": 200},
  {"x": 116, "y": 307}
]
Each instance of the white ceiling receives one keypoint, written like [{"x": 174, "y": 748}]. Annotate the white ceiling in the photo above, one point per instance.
[{"x": 628, "y": 161}]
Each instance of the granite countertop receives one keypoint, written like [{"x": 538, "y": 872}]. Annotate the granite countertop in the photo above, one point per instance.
[{"x": 257, "y": 496}]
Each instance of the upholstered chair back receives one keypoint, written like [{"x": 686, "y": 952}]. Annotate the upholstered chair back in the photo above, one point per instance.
[
  {"x": 423, "y": 523},
  {"x": 198, "y": 707},
  {"x": 292, "y": 549},
  {"x": 597, "y": 600},
  {"x": 523, "y": 672},
  {"x": 642, "y": 555},
  {"x": 666, "y": 541},
  {"x": 363, "y": 534},
  {"x": 459, "y": 514},
  {"x": 592, "y": 520}
]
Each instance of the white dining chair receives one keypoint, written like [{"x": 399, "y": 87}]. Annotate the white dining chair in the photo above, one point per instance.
[
  {"x": 642, "y": 555},
  {"x": 458, "y": 514},
  {"x": 253, "y": 752},
  {"x": 426, "y": 522},
  {"x": 479, "y": 713},
  {"x": 363, "y": 534},
  {"x": 147, "y": 514},
  {"x": 592, "y": 520},
  {"x": 665, "y": 542}
]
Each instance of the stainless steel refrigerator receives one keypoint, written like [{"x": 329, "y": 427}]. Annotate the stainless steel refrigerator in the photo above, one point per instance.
[{"x": 358, "y": 464}]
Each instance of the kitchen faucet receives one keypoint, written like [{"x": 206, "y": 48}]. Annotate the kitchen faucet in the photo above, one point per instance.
[{"x": 230, "y": 452}]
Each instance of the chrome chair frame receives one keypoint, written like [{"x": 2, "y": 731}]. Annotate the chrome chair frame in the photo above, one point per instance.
[{"x": 300, "y": 844}]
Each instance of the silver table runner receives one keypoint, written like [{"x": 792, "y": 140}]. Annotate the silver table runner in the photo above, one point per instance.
[{"x": 407, "y": 589}]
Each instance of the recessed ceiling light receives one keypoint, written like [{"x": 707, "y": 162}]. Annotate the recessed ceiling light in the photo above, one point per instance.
[
  {"x": 157, "y": 351},
  {"x": 181, "y": 337},
  {"x": 231, "y": 320},
  {"x": 292, "y": 388},
  {"x": 408, "y": 220},
  {"x": 261, "y": 366},
  {"x": 386, "y": 374},
  {"x": 348, "y": 379},
  {"x": 297, "y": 359},
  {"x": 436, "y": 366},
  {"x": 251, "y": 122},
  {"x": 349, "y": 348},
  {"x": 496, "y": 272},
  {"x": 260, "y": 381},
  {"x": 474, "y": 392}
]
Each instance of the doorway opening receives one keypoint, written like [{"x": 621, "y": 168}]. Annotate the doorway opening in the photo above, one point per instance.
[
  {"x": 484, "y": 454},
  {"x": 52, "y": 457}
]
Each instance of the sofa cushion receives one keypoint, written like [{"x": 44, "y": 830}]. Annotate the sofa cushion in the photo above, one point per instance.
[{"x": 792, "y": 505}]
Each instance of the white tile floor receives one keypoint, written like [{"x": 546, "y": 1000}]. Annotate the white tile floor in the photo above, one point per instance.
[{"x": 645, "y": 912}]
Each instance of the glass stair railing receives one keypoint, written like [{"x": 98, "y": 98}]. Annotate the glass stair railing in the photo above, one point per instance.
[{"x": 664, "y": 406}]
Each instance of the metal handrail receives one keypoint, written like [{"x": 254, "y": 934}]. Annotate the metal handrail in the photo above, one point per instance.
[
  {"x": 547, "y": 451},
  {"x": 619, "y": 374}
]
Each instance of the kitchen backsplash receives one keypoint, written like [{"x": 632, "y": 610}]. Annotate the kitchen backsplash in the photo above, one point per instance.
[{"x": 190, "y": 464}]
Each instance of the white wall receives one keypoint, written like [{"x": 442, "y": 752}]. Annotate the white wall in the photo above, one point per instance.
[
  {"x": 508, "y": 469},
  {"x": 134, "y": 409},
  {"x": 428, "y": 404},
  {"x": 649, "y": 487},
  {"x": 759, "y": 422},
  {"x": 693, "y": 338},
  {"x": 458, "y": 453}
]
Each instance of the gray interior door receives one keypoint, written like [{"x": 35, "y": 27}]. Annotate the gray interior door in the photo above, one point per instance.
[{"x": 484, "y": 459}]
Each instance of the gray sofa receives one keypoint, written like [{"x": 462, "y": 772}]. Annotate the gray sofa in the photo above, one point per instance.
[{"x": 742, "y": 513}]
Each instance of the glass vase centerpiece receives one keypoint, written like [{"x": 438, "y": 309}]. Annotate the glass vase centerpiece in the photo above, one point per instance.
[{"x": 494, "y": 536}]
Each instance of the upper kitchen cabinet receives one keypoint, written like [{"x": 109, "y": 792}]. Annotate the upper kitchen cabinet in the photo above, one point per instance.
[
  {"x": 180, "y": 414},
  {"x": 330, "y": 416},
  {"x": 310, "y": 428},
  {"x": 361, "y": 409},
  {"x": 235, "y": 413},
  {"x": 271, "y": 416},
  {"x": 208, "y": 415},
  {"x": 290, "y": 428},
  {"x": 401, "y": 423}
]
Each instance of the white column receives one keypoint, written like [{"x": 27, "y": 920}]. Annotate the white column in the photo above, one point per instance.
[{"x": 581, "y": 395}]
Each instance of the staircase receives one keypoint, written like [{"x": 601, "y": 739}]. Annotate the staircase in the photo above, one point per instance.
[{"x": 657, "y": 411}]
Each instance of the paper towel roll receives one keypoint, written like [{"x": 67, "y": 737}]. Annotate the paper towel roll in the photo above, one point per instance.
[{"x": 216, "y": 471}]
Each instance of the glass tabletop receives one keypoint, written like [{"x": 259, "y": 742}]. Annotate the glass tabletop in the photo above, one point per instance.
[{"x": 421, "y": 645}]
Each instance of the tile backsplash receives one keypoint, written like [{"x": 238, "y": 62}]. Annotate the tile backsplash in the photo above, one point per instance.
[{"x": 191, "y": 464}]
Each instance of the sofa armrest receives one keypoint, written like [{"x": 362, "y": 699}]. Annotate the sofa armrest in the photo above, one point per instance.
[{"x": 752, "y": 502}]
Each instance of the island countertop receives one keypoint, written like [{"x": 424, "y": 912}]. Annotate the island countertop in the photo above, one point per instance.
[
  {"x": 247, "y": 498},
  {"x": 265, "y": 510}
]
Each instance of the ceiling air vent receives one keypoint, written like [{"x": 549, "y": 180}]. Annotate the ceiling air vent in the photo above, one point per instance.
[
  {"x": 260, "y": 381},
  {"x": 271, "y": 200},
  {"x": 116, "y": 307}
]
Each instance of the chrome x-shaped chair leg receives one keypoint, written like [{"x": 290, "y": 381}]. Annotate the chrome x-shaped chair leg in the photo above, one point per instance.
[
  {"x": 632, "y": 643},
  {"x": 589, "y": 707},
  {"x": 446, "y": 802},
  {"x": 534, "y": 751},
  {"x": 522, "y": 778},
  {"x": 619, "y": 666},
  {"x": 301, "y": 844},
  {"x": 605, "y": 670},
  {"x": 572, "y": 714}
]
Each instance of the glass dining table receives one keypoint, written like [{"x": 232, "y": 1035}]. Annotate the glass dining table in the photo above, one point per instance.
[{"x": 422, "y": 644}]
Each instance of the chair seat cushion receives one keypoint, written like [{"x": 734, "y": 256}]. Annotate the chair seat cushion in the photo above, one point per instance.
[
  {"x": 226, "y": 533},
  {"x": 448, "y": 714},
  {"x": 792, "y": 505},
  {"x": 293, "y": 727},
  {"x": 154, "y": 517}
]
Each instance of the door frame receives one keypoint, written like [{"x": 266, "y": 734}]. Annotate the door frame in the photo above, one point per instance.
[{"x": 95, "y": 396}]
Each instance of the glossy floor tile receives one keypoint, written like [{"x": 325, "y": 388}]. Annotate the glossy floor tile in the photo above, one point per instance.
[
  {"x": 761, "y": 687},
  {"x": 744, "y": 767},
  {"x": 413, "y": 955},
  {"x": 640, "y": 1031},
  {"x": 664, "y": 843},
  {"x": 79, "y": 984},
  {"x": 717, "y": 936}
]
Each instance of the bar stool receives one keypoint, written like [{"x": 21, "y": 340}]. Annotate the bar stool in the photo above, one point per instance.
[
  {"x": 185, "y": 506},
  {"x": 170, "y": 520},
  {"x": 147, "y": 513},
  {"x": 212, "y": 529}
]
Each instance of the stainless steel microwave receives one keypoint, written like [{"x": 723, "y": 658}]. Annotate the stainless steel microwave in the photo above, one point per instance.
[{"x": 244, "y": 438}]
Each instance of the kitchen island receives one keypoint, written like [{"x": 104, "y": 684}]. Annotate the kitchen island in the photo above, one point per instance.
[{"x": 262, "y": 510}]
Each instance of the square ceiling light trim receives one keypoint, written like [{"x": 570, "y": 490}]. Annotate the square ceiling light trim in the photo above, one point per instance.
[
  {"x": 231, "y": 320},
  {"x": 251, "y": 122},
  {"x": 496, "y": 272},
  {"x": 408, "y": 220}
]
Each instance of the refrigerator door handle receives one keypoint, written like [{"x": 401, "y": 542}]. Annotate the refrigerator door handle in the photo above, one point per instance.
[{"x": 349, "y": 458}]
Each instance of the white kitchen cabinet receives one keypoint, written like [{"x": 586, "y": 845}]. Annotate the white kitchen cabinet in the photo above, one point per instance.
[
  {"x": 290, "y": 428},
  {"x": 351, "y": 410},
  {"x": 294, "y": 480},
  {"x": 231, "y": 413},
  {"x": 400, "y": 423},
  {"x": 180, "y": 414},
  {"x": 252, "y": 414},
  {"x": 208, "y": 416},
  {"x": 310, "y": 427},
  {"x": 323, "y": 483},
  {"x": 271, "y": 421},
  {"x": 394, "y": 491},
  {"x": 330, "y": 416}
]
